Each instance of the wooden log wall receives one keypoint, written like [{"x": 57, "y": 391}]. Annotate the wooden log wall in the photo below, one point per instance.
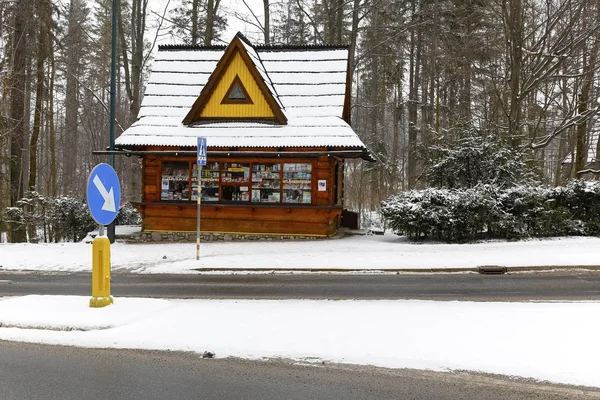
[
  {"x": 321, "y": 218},
  {"x": 242, "y": 219}
]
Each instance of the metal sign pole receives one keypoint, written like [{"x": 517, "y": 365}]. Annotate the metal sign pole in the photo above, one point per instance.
[
  {"x": 201, "y": 160},
  {"x": 113, "y": 101},
  {"x": 199, "y": 196}
]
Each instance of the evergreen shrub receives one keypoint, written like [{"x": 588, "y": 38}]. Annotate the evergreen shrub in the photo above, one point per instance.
[
  {"x": 71, "y": 219},
  {"x": 128, "y": 215},
  {"x": 57, "y": 219},
  {"x": 488, "y": 212}
]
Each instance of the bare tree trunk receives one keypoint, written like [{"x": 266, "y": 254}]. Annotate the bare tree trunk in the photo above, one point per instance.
[
  {"x": 17, "y": 110},
  {"x": 124, "y": 55},
  {"x": 562, "y": 145},
  {"x": 333, "y": 20},
  {"x": 43, "y": 12},
  {"x": 194, "y": 33},
  {"x": 339, "y": 21},
  {"x": 51, "y": 128},
  {"x": 513, "y": 19},
  {"x": 415, "y": 61},
  {"x": 353, "y": 35},
  {"x": 395, "y": 140},
  {"x": 267, "y": 22},
  {"x": 137, "y": 59},
  {"x": 70, "y": 155},
  {"x": 210, "y": 22},
  {"x": 465, "y": 96}
]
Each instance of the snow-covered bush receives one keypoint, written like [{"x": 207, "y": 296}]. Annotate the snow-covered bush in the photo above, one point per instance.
[
  {"x": 583, "y": 200},
  {"x": 128, "y": 215},
  {"x": 13, "y": 218},
  {"x": 57, "y": 219},
  {"x": 36, "y": 213},
  {"x": 71, "y": 219},
  {"x": 475, "y": 214},
  {"x": 49, "y": 219},
  {"x": 442, "y": 214},
  {"x": 536, "y": 212},
  {"x": 460, "y": 215}
]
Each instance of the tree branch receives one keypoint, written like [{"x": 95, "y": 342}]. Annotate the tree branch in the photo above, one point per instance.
[
  {"x": 93, "y": 93},
  {"x": 161, "y": 20}
]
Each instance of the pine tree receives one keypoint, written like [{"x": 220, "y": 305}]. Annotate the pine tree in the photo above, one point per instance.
[{"x": 189, "y": 16}]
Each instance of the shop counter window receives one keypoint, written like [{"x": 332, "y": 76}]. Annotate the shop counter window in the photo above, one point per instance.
[
  {"x": 236, "y": 193},
  {"x": 237, "y": 182},
  {"x": 235, "y": 179},
  {"x": 175, "y": 181},
  {"x": 266, "y": 183},
  {"x": 297, "y": 183},
  {"x": 236, "y": 173},
  {"x": 209, "y": 177}
]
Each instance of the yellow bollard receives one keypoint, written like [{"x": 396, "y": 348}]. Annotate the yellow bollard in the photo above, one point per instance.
[{"x": 100, "y": 272}]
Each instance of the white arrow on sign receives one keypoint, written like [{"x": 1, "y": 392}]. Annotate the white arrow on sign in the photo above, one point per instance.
[{"x": 109, "y": 197}]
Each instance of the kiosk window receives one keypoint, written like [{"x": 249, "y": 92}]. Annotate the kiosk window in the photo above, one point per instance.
[
  {"x": 297, "y": 183},
  {"x": 235, "y": 179},
  {"x": 175, "y": 181},
  {"x": 266, "y": 183},
  {"x": 237, "y": 182},
  {"x": 209, "y": 178}
]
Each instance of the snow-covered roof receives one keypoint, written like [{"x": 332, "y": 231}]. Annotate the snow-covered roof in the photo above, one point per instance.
[{"x": 307, "y": 83}]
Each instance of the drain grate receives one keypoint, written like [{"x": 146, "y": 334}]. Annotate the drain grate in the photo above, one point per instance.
[{"x": 492, "y": 269}]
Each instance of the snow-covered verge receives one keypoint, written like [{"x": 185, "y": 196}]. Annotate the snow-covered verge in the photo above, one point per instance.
[
  {"x": 369, "y": 253},
  {"x": 556, "y": 342}
]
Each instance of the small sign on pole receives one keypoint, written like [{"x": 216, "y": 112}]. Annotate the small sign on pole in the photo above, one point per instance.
[
  {"x": 201, "y": 161},
  {"x": 201, "y": 151}
]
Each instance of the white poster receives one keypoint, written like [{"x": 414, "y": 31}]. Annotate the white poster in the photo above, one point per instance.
[{"x": 322, "y": 185}]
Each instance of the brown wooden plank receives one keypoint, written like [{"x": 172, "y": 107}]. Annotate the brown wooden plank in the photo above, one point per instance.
[
  {"x": 151, "y": 161},
  {"x": 323, "y": 174},
  {"x": 232, "y": 226},
  {"x": 240, "y": 219},
  {"x": 150, "y": 189}
]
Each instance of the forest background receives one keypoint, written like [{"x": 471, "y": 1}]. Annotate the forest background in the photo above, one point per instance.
[{"x": 446, "y": 93}]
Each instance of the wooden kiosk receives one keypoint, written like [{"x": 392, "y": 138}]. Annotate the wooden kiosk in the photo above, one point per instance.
[{"x": 276, "y": 121}]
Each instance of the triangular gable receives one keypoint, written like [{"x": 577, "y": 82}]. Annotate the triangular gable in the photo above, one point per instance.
[{"x": 235, "y": 91}]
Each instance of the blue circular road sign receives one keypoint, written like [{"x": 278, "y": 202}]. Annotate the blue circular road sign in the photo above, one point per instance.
[{"x": 103, "y": 194}]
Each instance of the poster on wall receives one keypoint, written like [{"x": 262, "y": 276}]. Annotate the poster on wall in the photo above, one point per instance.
[{"x": 322, "y": 185}]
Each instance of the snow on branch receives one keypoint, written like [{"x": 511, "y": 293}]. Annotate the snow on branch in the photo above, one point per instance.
[{"x": 566, "y": 124}]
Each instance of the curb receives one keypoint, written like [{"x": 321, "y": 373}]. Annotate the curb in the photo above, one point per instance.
[
  {"x": 531, "y": 268},
  {"x": 554, "y": 267}
]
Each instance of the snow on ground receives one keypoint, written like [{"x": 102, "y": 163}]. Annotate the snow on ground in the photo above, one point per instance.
[
  {"x": 545, "y": 341},
  {"x": 369, "y": 253}
]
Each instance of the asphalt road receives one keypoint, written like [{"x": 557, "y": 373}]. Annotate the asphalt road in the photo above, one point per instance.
[
  {"x": 564, "y": 285},
  {"x": 41, "y": 372}
]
